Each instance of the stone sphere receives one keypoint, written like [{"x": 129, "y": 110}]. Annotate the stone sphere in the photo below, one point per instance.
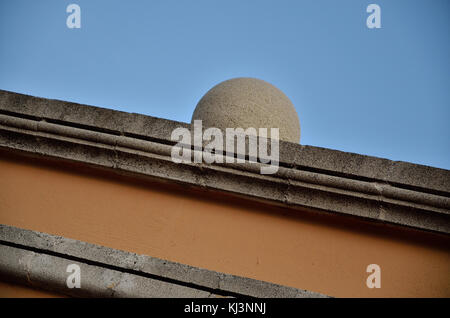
[{"x": 248, "y": 102}]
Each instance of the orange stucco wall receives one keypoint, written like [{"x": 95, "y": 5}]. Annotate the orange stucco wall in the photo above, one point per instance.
[
  {"x": 317, "y": 252},
  {"x": 18, "y": 291}
]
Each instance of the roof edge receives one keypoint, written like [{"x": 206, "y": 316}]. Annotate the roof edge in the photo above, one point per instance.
[
  {"x": 40, "y": 260},
  {"x": 360, "y": 186},
  {"x": 304, "y": 157}
]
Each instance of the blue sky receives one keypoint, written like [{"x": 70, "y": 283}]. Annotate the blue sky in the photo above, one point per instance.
[{"x": 380, "y": 92}]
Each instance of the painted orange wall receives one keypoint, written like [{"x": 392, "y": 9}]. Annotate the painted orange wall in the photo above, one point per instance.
[
  {"x": 307, "y": 250},
  {"x": 8, "y": 290}
]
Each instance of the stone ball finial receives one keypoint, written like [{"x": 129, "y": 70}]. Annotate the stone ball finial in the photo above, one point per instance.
[{"x": 248, "y": 102}]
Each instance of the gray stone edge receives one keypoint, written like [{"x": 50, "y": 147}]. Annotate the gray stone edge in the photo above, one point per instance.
[
  {"x": 40, "y": 260},
  {"x": 327, "y": 161},
  {"x": 369, "y": 199}
]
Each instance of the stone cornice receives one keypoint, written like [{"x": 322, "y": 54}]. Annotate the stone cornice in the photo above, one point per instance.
[{"x": 320, "y": 179}]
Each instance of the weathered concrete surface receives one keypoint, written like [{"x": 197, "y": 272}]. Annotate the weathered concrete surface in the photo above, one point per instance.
[
  {"x": 102, "y": 119},
  {"x": 40, "y": 260},
  {"x": 48, "y": 272},
  {"x": 320, "y": 179}
]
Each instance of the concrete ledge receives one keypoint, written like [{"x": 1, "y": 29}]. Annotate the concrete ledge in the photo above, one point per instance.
[
  {"x": 309, "y": 177},
  {"x": 291, "y": 155},
  {"x": 40, "y": 260}
]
